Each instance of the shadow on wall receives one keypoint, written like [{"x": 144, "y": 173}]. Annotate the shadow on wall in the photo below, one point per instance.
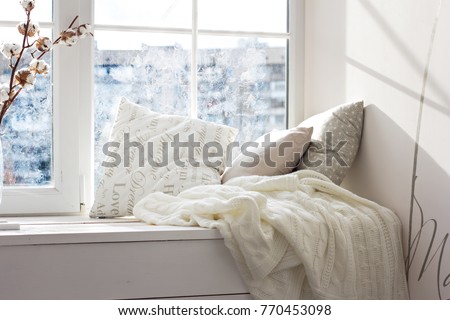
[
  {"x": 377, "y": 175},
  {"x": 413, "y": 94},
  {"x": 407, "y": 54}
]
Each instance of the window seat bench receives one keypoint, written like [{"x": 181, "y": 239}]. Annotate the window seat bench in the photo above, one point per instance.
[{"x": 83, "y": 258}]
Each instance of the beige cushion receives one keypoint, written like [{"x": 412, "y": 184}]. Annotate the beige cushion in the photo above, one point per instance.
[
  {"x": 274, "y": 153},
  {"x": 335, "y": 141},
  {"x": 160, "y": 167}
]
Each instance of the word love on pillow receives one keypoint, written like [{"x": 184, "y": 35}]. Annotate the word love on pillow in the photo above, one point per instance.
[{"x": 149, "y": 152}]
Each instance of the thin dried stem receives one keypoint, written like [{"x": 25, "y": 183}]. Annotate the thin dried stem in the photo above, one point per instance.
[{"x": 14, "y": 68}]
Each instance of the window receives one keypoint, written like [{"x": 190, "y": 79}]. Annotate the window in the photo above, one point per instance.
[
  {"x": 235, "y": 62},
  {"x": 27, "y": 128},
  {"x": 40, "y": 165}
]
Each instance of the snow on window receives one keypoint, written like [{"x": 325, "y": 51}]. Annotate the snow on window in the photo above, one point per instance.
[{"x": 27, "y": 133}]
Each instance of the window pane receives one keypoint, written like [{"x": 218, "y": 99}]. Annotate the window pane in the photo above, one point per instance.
[
  {"x": 11, "y": 10},
  {"x": 27, "y": 128},
  {"x": 149, "y": 69},
  {"x": 153, "y": 13},
  {"x": 242, "y": 83},
  {"x": 243, "y": 15}
]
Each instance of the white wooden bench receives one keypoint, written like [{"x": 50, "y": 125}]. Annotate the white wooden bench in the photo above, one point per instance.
[{"x": 82, "y": 258}]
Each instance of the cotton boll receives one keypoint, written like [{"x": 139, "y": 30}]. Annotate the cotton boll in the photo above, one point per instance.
[
  {"x": 39, "y": 66},
  {"x": 84, "y": 30},
  {"x": 25, "y": 78},
  {"x": 11, "y": 50},
  {"x": 28, "y": 5},
  {"x": 44, "y": 44},
  {"x": 22, "y": 27},
  {"x": 33, "y": 28},
  {"x": 69, "y": 37}
]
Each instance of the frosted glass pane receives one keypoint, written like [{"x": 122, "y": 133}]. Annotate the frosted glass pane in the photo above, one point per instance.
[
  {"x": 27, "y": 131},
  {"x": 243, "y": 15},
  {"x": 242, "y": 83},
  {"x": 149, "y": 69},
  {"x": 11, "y": 10},
  {"x": 154, "y": 13}
]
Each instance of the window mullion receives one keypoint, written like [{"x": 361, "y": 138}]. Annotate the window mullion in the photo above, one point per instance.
[
  {"x": 275, "y": 35},
  {"x": 66, "y": 113},
  {"x": 86, "y": 141},
  {"x": 107, "y": 27}
]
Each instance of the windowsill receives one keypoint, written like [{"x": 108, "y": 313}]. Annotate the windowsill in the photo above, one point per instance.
[{"x": 82, "y": 229}]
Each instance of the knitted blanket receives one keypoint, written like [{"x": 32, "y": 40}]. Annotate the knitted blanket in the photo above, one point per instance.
[{"x": 296, "y": 236}]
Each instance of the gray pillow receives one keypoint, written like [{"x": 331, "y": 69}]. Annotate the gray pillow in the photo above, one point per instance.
[
  {"x": 335, "y": 141},
  {"x": 275, "y": 153}
]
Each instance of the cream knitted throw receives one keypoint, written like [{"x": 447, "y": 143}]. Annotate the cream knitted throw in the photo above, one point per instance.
[{"x": 295, "y": 236}]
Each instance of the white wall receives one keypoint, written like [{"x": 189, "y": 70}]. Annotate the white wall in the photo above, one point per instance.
[{"x": 378, "y": 50}]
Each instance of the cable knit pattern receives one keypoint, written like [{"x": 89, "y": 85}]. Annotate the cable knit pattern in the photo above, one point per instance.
[{"x": 295, "y": 236}]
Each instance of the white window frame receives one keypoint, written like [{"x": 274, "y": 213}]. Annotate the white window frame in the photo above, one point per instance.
[
  {"x": 74, "y": 109},
  {"x": 64, "y": 195}
]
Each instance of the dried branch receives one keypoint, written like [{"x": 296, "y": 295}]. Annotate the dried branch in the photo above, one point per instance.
[{"x": 20, "y": 78}]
